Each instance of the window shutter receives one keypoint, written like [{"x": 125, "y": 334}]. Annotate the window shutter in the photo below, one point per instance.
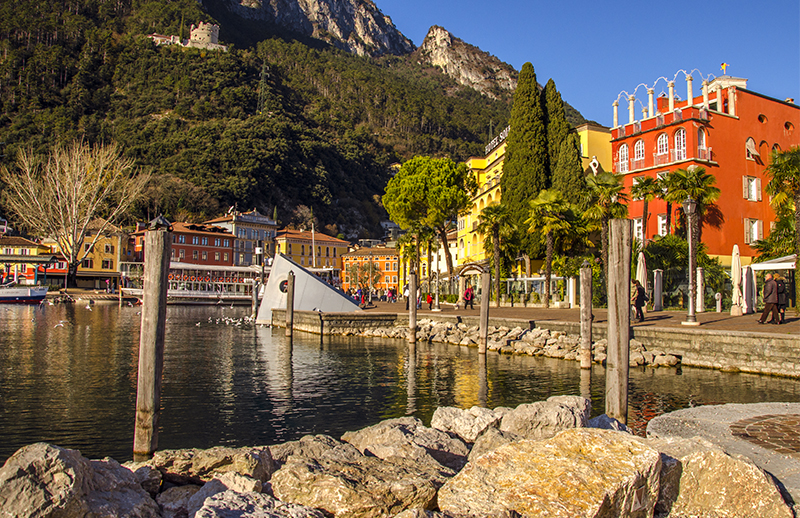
[
  {"x": 744, "y": 187},
  {"x": 747, "y": 230},
  {"x": 760, "y": 229},
  {"x": 758, "y": 188}
]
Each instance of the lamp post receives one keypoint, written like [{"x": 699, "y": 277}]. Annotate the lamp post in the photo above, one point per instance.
[{"x": 689, "y": 208}]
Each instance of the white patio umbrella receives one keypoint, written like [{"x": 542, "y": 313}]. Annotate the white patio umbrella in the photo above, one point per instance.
[
  {"x": 736, "y": 280},
  {"x": 641, "y": 270}
]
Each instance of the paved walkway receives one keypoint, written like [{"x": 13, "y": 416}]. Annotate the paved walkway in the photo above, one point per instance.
[
  {"x": 766, "y": 433},
  {"x": 708, "y": 320}
]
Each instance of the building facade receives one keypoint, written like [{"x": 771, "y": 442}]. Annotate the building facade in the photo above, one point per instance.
[
  {"x": 385, "y": 261},
  {"x": 728, "y": 130},
  {"x": 248, "y": 228},
  {"x": 318, "y": 252},
  {"x": 21, "y": 260},
  {"x": 194, "y": 243}
]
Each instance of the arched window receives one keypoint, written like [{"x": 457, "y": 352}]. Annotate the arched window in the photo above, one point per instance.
[
  {"x": 751, "y": 152},
  {"x": 663, "y": 145},
  {"x": 622, "y": 166},
  {"x": 702, "y": 149},
  {"x": 638, "y": 154},
  {"x": 680, "y": 144}
]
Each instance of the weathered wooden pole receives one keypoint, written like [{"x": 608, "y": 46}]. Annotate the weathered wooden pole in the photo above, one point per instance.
[
  {"x": 412, "y": 308},
  {"x": 483, "y": 334},
  {"x": 483, "y": 385},
  {"x": 290, "y": 305},
  {"x": 619, "y": 319},
  {"x": 586, "y": 316},
  {"x": 158, "y": 247}
]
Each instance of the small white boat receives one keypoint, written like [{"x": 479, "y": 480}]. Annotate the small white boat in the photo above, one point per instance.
[{"x": 22, "y": 294}]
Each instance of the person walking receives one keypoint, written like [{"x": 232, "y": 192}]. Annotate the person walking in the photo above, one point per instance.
[
  {"x": 783, "y": 297},
  {"x": 469, "y": 296},
  {"x": 430, "y": 301},
  {"x": 405, "y": 295},
  {"x": 770, "y": 300},
  {"x": 638, "y": 297}
]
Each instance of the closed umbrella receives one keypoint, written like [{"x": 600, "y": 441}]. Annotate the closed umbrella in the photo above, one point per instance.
[
  {"x": 736, "y": 281},
  {"x": 641, "y": 270}
]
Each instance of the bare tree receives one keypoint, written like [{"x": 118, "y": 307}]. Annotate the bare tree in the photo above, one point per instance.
[{"x": 60, "y": 195}]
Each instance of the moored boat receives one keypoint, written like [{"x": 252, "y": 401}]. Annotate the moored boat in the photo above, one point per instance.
[{"x": 22, "y": 294}]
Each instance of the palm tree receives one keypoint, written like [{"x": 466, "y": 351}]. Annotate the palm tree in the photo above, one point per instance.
[
  {"x": 492, "y": 220},
  {"x": 784, "y": 187},
  {"x": 553, "y": 217},
  {"x": 605, "y": 201},
  {"x": 646, "y": 189}
]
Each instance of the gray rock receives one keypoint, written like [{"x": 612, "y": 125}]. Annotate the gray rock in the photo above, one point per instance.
[
  {"x": 490, "y": 440},
  {"x": 345, "y": 483},
  {"x": 580, "y": 472},
  {"x": 607, "y": 423},
  {"x": 42, "y": 480},
  {"x": 407, "y": 438},
  {"x": 197, "y": 466},
  {"x": 467, "y": 424},
  {"x": 149, "y": 477},
  {"x": 231, "y": 504},
  {"x": 543, "y": 419},
  {"x": 174, "y": 501},
  {"x": 311, "y": 446}
]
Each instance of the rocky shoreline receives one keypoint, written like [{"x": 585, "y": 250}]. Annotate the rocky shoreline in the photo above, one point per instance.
[
  {"x": 505, "y": 340},
  {"x": 539, "y": 459}
]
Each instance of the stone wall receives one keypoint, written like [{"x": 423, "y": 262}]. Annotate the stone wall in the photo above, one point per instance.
[{"x": 758, "y": 353}]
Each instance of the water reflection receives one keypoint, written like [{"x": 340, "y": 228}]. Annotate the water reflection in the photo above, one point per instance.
[{"x": 68, "y": 376}]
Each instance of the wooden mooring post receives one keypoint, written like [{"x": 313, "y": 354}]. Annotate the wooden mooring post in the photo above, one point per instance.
[
  {"x": 412, "y": 308},
  {"x": 586, "y": 316},
  {"x": 619, "y": 318},
  {"x": 290, "y": 305},
  {"x": 158, "y": 246},
  {"x": 483, "y": 330}
]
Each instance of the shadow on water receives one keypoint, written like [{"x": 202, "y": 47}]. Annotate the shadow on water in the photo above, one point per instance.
[{"x": 68, "y": 376}]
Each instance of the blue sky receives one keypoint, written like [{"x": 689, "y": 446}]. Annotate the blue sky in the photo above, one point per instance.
[{"x": 593, "y": 50}]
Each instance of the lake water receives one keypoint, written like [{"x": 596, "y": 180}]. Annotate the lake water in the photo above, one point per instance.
[{"x": 74, "y": 384}]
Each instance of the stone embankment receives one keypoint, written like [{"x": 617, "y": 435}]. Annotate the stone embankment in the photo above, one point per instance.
[
  {"x": 533, "y": 342},
  {"x": 539, "y": 459}
]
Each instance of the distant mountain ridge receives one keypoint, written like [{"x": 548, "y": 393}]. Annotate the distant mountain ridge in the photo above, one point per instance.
[
  {"x": 466, "y": 63},
  {"x": 356, "y": 26}
]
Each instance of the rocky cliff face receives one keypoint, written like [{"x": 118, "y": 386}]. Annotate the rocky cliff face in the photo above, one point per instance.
[
  {"x": 356, "y": 26},
  {"x": 466, "y": 63}
]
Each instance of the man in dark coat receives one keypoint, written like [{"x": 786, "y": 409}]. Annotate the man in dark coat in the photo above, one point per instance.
[{"x": 770, "y": 301}]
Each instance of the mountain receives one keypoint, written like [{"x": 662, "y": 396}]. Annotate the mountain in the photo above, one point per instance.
[
  {"x": 465, "y": 63},
  {"x": 356, "y": 26}
]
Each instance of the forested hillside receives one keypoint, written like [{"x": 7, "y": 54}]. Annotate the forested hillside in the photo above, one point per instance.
[{"x": 331, "y": 125}]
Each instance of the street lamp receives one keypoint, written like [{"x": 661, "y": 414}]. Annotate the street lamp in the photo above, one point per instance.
[{"x": 689, "y": 208}]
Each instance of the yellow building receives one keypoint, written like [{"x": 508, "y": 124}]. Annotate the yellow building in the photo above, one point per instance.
[
  {"x": 487, "y": 170},
  {"x": 325, "y": 260},
  {"x": 595, "y": 144}
]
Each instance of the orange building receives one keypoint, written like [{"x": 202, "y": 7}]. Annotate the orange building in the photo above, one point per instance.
[
  {"x": 728, "y": 130},
  {"x": 385, "y": 260}
]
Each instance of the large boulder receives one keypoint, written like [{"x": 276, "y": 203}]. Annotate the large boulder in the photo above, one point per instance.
[
  {"x": 467, "y": 424},
  {"x": 199, "y": 466},
  {"x": 578, "y": 473},
  {"x": 490, "y": 440},
  {"x": 345, "y": 483},
  {"x": 543, "y": 419},
  {"x": 231, "y": 504},
  {"x": 42, "y": 480},
  {"x": 311, "y": 446},
  {"x": 407, "y": 438},
  {"x": 715, "y": 485}
]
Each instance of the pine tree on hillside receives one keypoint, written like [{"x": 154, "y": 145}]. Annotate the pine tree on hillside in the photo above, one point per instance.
[
  {"x": 556, "y": 123},
  {"x": 525, "y": 168},
  {"x": 568, "y": 176}
]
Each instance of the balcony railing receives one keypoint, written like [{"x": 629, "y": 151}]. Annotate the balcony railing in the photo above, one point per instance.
[
  {"x": 678, "y": 154},
  {"x": 661, "y": 159},
  {"x": 704, "y": 153},
  {"x": 622, "y": 166},
  {"x": 637, "y": 164}
]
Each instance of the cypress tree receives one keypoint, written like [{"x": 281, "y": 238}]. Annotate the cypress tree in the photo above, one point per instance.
[
  {"x": 568, "y": 175},
  {"x": 525, "y": 168},
  {"x": 557, "y": 125}
]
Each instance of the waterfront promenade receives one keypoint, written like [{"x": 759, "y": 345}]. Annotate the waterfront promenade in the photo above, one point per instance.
[{"x": 708, "y": 320}]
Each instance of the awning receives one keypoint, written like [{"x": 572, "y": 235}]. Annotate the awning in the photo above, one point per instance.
[
  {"x": 787, "y": 262},
  {"x": 29, "y": 259},
  {"x": 751, "y": 147}
]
